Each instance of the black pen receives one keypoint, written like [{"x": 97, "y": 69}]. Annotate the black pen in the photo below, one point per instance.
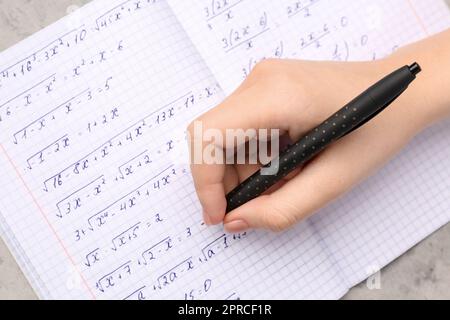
[{"x": 354, "y": 115}]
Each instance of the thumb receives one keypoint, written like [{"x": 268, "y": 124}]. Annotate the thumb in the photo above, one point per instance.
[
  {"x": 264, "y": 212},
  {"x": 318, "y": 183},
  {"x": 238, "y": 113}
]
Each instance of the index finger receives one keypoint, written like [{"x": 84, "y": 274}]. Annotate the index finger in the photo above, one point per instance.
[{"x": 243, "y": 110}]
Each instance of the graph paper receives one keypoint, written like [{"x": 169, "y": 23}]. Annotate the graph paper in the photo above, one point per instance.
[{"x": 97, "y": 200}]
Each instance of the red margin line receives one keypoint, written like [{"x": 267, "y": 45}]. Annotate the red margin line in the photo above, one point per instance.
[
  {"x": 419, "y": 19},
  {"x": 46, "y": 219}
]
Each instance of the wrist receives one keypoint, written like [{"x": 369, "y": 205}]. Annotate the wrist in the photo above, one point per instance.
[{"x": 428, "y": 98}]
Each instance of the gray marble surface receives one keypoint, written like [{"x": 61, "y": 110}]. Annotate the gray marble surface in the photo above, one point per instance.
[{"x": 421, "y": 273}]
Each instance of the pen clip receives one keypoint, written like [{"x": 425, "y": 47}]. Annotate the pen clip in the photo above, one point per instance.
[{"x": 374, "y": 115}]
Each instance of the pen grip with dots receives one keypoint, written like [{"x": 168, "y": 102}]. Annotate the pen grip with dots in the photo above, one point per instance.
[{"x": 355, "y": 114}]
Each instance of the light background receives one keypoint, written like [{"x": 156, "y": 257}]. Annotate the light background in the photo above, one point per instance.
[{"x": 421, "y": 273}]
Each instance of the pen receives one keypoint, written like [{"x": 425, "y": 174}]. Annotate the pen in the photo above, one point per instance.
[{"x": 351, "y": 117}]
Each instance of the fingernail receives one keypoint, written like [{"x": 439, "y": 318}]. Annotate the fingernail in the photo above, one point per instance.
[
  {"x": 236, "y": 226},
  {"x": 206, "y": 218}
]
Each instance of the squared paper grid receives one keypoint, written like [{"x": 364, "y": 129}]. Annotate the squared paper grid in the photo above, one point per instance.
[
  {"x": 274, "y": 270},
  {"x": 373, "y": 229},
  {"x": 43, "y": 236},
  {"x": 344, "y": 236},
  {"x": 41, "y": 253}
]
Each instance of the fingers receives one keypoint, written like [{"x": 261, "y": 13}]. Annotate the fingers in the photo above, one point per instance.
[
  {"x": 252, "y": 108},
  {"x": 208, "y": 181},
  {"x": 284, "y": 96},
  {"x": 231, "y": 179},
  {"x": 319, "y": 183},
  {"x": 268, "y": 99},
  {"x": 327, "y": 177},
  {"x": 237, "y": 112}
]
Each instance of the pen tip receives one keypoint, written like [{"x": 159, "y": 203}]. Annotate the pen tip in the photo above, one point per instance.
[{"x": 415, "y": 68}]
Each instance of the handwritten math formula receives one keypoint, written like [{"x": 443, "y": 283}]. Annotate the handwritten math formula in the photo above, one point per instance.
[
  {"x": 111, "y": 159},
  {"x": 246, "y": 32}
]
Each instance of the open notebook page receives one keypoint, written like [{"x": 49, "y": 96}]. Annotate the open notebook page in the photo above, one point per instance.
[
  {"x": 96, "y": 197},
  {"x": 408, "y": 199},
  {"x": 233, "y": 35},
  {"x": 401, "y": 205}
]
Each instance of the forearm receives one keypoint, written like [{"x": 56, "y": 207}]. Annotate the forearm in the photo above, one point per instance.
[{"x": 429, "y": 97}]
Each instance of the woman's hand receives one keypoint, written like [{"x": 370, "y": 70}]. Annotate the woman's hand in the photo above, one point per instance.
[{"x": 296, "y": 96}]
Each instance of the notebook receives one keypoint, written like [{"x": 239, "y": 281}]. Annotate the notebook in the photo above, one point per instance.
[{"x": 97, "y": 201}]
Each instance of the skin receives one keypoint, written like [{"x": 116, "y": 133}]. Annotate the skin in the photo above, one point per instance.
[{"x": 295, "y": 96}]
